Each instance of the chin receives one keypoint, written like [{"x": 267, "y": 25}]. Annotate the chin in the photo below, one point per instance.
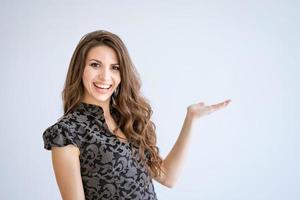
[{"x": 102, "y": 99}]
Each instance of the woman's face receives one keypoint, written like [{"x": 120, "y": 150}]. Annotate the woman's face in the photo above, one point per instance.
[{"x": 101, "y": 75}]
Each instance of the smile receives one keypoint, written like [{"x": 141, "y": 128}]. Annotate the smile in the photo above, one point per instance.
[{"x": 100, "y": 86}]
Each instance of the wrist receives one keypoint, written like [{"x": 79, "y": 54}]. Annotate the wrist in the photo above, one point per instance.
[{"x": 190, "y": 116}]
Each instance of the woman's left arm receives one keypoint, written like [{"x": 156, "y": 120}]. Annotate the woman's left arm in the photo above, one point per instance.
[{"x": 173, "y": 163}]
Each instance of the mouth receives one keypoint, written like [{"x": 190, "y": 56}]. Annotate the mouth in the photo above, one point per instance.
[{"x": 103, "y": 87}]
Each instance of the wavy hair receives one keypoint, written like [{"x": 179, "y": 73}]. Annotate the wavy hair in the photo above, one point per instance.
[{"x": 132, "y": 111}]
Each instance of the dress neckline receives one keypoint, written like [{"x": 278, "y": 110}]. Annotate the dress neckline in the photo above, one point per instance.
[
  {"x": 98, "y": 112},
  {"x": 89, "y": 108}
]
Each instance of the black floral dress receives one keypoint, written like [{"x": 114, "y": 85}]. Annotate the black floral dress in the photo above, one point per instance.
[{"x": 110, "y": 168}]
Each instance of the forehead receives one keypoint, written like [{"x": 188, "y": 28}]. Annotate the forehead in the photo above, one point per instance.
[{"x": 102, "y": 53}]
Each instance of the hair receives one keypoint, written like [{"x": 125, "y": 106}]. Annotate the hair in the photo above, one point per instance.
[{"x": 132, "y": 111}]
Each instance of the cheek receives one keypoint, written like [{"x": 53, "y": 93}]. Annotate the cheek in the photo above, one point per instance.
[
  {"x": 118, "y": 78},
  {"x": 87, "y": 76}
]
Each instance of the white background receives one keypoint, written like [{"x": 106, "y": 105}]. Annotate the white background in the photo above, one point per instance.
[{"x": 185, "y": 52}]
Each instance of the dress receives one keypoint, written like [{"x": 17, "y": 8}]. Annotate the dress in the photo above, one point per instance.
[{"x": 110, "y": 168}]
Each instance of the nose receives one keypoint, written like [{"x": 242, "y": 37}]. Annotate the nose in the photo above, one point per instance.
[{"x": 105, "y": 74}]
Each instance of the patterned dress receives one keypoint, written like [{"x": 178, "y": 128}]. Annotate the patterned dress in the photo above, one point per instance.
[{"x": 110, "y": 168}]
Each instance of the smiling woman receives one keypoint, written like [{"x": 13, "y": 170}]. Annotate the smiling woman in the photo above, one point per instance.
[
  {"x": 104, "y": 146},
  {"x": 101, "y": 75}
]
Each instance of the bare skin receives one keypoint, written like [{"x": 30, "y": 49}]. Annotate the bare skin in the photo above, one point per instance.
[
  {"x": 101, "y": 70},
  {"x": 174, "y": 161},
  {"x": 67, "y": 166}
]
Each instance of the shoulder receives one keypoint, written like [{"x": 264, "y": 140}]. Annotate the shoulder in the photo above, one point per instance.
[
  {"x": 62, "y": 133},
  {"x": 64, "y": 123}
]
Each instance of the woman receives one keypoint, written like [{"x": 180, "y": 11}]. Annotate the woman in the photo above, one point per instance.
[{"x": 104, "y": 146}]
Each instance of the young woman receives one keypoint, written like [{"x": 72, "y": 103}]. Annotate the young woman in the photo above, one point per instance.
[{"x": 104, "y": 146}]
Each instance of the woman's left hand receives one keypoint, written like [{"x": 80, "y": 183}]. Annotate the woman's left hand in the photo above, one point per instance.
[{"x": 199, "y": 110}]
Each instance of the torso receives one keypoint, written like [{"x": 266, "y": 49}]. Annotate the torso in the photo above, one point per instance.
[
  {"x": 111, "y": 168},
  {"x": 119, "y": 133}
]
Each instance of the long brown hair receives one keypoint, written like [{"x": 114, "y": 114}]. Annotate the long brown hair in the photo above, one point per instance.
[{"x": 132, "y": 111}]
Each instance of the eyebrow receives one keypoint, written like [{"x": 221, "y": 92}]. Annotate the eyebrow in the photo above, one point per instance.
[{"x": 98, "y": 61}]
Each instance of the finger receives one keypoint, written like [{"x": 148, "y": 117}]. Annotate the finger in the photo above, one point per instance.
[
  {"x": 224, "y": 103},
  {"x": 212, "y": 108},
  {"x": 201, "y": 103},
  {"x": 218, "y": 106},
  {"x": 227, "y": 101}
]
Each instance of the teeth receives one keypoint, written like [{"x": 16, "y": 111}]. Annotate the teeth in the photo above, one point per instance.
[{"x": 103, "y": 86}]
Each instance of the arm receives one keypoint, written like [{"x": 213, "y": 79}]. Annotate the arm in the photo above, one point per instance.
[
  {"x": 173, "y": 163},
  {"x": 66, "y": 166}
]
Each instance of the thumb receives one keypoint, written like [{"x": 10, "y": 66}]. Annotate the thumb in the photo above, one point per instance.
[{"x": 201, "y": 103}]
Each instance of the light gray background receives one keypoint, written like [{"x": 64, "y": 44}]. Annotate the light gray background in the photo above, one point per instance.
[{"x": 185, "y": 52}]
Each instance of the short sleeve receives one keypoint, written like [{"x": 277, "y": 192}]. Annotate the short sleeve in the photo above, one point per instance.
[{"x": 59, "y": 135}]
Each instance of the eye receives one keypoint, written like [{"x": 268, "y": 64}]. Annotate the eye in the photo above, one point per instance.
[
  {"x": 116, "y": 67},
  {"x": 94, "y": 64}
]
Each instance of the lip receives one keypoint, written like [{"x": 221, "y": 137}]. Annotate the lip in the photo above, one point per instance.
[
  {"x": 102, "y": 91},
  {"x": 102, "y": 83}
]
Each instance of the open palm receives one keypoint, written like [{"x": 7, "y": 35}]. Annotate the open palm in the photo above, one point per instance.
[{"x": 199, "y": 110}]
